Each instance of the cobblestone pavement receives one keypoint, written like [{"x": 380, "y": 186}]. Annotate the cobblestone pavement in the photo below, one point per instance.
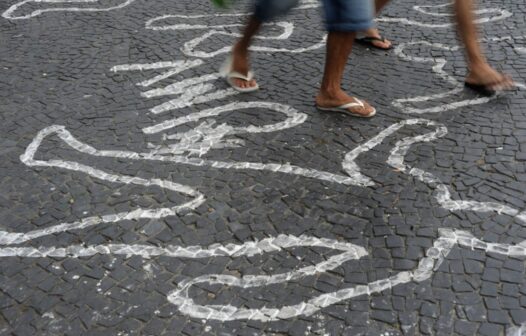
[{"x": 139, "y": 195}]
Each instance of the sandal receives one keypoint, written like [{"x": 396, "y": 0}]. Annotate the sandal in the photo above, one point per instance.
[
  {"x": 482, "y": 89},
  {"x": 345, "y": 109},
  {"x": 369, "y": 42},
  {"x": 229, "y": 74}
]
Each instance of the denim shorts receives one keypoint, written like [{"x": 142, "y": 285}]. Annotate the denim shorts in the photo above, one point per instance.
[{"x": 340, "y": 15}]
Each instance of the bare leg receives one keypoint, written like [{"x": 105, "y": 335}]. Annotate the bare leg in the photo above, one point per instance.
[
  {"x": 379, "y": 5},
  {"x": 240, "y": 53},
  {"x": 373, "y": 32},
  {"x": 339, "y": 46},
  {"x": 480, "y": 72}
]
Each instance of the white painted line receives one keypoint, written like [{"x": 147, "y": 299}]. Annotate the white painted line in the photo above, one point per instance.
[
  {"x": 438, "y": 64},
  {"x": 426, "y": 267},
  {"x": 355, "y": 177},
  {"x": 181, "y": 298},
  {"x": 10, "y": 12},
  {"x": 442, "y": 193},
  {"x": 174, "y": 68},
  {"x": 189, "y": 48},
  {"x": 27, "y": 158}
]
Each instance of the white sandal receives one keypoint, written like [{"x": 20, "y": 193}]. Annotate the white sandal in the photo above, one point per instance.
[
  {"x": 227, "y": 72},
  {"x": 345, "y": 109}
]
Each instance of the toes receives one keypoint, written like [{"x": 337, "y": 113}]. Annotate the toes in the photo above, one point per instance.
[
  {"x": 386, "y": 44},
  {"x": 365, "y": 110},
  {"x": 381, "y": 43},
  {"x": 508, "y": 81},
  {"x": 505, "y": 82},
  {"x": 240, "y": 83}
]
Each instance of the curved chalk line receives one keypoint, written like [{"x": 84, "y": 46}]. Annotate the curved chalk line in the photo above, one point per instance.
[
  {"x": 499, "y": 15},
  {"x": 181, "y": 298},
  {"x": 355, "y": 177},
  {"x": 426, "y": 267},
  {"x": 438, "y": 68},
  {"x": 8, "y": 14},
  {"x": 7, "y": 238},
  {"x": 442, "y": 193},
  {"x": 213, "y": 30},
  {"x": 189, "y": 47}
]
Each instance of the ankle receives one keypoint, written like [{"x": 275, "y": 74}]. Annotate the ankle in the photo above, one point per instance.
[
  {"x": 371, "y": 32},
  {"x": 478, "y": 62},
  {"x": 330, "y": 92}
]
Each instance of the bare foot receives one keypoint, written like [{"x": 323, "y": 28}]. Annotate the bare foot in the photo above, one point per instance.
[
  {"x": 326, "y": 99},
  {"x": 379, "y": 42},
  {"x": 484, "y": 74},
  {"x": 240, "y": 65}
]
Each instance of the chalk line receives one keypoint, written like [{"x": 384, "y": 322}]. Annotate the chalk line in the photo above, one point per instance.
[
  {"x": 498, "y": 15},
  {"x": 181, "y": 297},
  {"x": 426, "y": 267},
  {"x": 8, "y": 238},
  {"x": 438, "y": 65},
  {"x": 9, "y": 13},
  {"x": 189, "y": 47},
  {"x": 355, "y": 177},
  {"x": 442, "y": 193}
]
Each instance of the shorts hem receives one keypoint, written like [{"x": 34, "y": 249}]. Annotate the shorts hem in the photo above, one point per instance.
[{"x": 349, "y": 27}]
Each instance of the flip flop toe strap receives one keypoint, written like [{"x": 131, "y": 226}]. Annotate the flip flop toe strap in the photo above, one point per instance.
[
  {"x": 237, "y": 75},
  {"x": 356, "y": 103}
]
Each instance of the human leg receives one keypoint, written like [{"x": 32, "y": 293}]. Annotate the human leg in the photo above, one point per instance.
[
  {"x": 264, "y": 11},
  {"x": 240, "y": 54},
  {"x": 480, "y": 73},
  {"x": 343, "y": 18},
  {"x": 372, "y": 35}
]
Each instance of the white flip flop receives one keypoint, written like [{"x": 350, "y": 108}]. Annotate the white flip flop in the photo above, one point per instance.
[
  {"x": 227, "y": 72},
  {"x": 345, "y": 109}
]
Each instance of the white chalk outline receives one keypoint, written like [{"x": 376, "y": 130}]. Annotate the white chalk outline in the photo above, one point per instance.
[
  {"x": 500, "y": 14},
  {"x": 181, "y": 297},
  {"x": 213, "y": 30},
  {"x": 438, "y": 64},
  {"x": 426, "y": 267},
  {"x": 189, "y": 47},
  {"x": 7, "y": 238},
  {"x": 355, "y": 176},
  {"x": 8, "y": 14}
]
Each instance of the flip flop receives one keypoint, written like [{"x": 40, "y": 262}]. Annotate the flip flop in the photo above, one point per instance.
[
  {"x": 368, "y": 41},
  {"x": 227, "y": 72},
  {"x": 345, "y": 109},
  {"x": 482, "y": 89}
]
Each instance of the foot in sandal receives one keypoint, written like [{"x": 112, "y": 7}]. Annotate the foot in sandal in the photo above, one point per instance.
[
  {"x": 372, "y": 38},
  {"x": 236, "y": 71},
  {"x": 343, "y": 103},
  {"x": 486, "y": 81}
]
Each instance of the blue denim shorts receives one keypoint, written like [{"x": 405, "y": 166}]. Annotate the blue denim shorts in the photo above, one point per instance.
[
  {"x": 268, "y": 10},
  {"x": 340, "y": 15}
]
